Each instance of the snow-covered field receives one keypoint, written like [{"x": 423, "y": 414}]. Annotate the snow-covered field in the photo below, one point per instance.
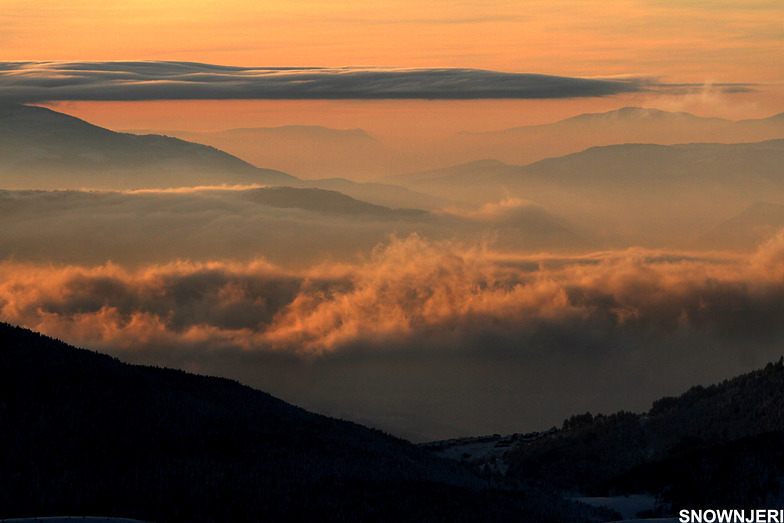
[
  {"x": 488, "y": 452},
  {"x": 627, "y": 506},
  {"x": 653, "y": 520},
  {"x": 72, "y": 519}
]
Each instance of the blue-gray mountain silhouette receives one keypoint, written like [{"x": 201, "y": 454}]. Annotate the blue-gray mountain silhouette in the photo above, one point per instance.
[{"x": 41, "y": 148}]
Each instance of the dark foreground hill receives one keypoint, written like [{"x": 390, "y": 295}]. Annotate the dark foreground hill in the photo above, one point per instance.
[
  {"x": 84, "y": 434},
  {"x": 716, "y": 446}
]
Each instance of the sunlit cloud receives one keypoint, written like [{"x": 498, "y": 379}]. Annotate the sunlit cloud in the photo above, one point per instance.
[
  {"x": 411, "y": 294},
  {"x": 503, "y": 211}
]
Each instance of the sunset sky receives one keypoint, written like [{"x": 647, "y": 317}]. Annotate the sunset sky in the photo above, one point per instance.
[{"x": 713, "y": 58}]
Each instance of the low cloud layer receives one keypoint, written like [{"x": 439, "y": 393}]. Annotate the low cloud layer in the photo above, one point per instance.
[
  {"x": 30, "y": 82},
  {"x": 411, "y": 293},
  {"x": 425, "y": 339}
]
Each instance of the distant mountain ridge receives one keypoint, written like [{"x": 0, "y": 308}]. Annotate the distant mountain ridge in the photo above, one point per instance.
[
  {"x": 642, "y": 193},
  {"x": 47, "y": 149},
  {"x": 526, "y": 144},
  {"x": 621, "y": 162},
  {"x": 624, "y": 115},
  {"x": 43, "y": 149}
]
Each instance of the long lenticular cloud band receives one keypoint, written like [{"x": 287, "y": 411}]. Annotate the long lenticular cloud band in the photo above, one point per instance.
[{"x": 30, "y": 82}]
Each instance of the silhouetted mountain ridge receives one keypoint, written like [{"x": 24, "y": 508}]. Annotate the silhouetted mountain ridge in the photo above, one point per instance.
[
  {"x": 719, "y": 445},
  {"x": 624, "y": 115},
  {"x": 41, "y": 148},
  {"x": 525, "y": 144},
  {"x": 83, "y": 433}
]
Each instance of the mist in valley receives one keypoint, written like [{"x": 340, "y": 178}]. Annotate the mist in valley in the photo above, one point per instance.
[{"x": 499, "y": 295}]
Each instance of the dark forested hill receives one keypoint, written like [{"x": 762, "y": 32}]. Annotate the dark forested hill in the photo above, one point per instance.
[
  {"x": 85, "y": 434},
  {"x": 721, "y": 445}
]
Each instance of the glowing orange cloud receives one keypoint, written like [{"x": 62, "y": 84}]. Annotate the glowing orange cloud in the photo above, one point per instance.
[{"x": 410, "y": 293}]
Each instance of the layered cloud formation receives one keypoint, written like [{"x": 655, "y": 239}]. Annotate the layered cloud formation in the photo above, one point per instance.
[{"x": 29, "y": 82}]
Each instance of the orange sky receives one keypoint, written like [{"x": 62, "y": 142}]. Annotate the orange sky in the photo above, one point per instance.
[
  {"x": 691, "y": 40},
  {"x": 694, "y": 41},
  {"x": 398, "y": 120},
  {"x": 390, "y": 119}
]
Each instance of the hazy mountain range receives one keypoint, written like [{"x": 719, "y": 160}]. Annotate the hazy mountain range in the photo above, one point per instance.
[
  {"x": 44, "y": 149},
  {"x": 527, "y": 144},
  {"x": 41, "y": 149},
  {"x": 656, "y": 195},
  {"x": 319, "y": 152}
]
